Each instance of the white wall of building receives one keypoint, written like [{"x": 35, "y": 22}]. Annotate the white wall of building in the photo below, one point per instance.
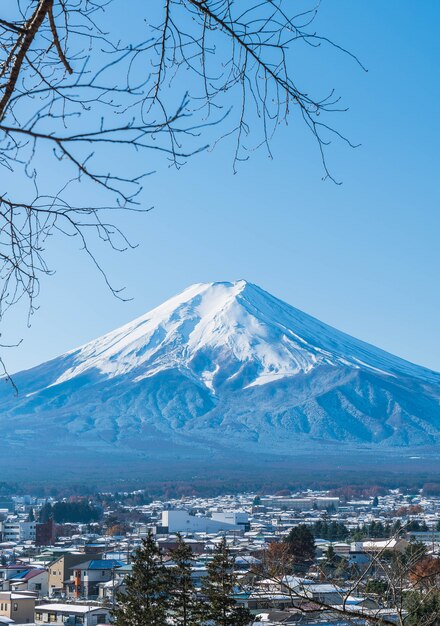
[
  {"x": 181, "y": 521},
  {"x": 17, "y": 530}
]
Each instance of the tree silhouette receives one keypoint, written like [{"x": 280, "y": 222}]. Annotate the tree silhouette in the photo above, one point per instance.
[{"x": 97, "y": 109}]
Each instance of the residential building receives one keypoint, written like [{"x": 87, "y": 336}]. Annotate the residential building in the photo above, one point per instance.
[
  {"x": 60, "y": 571},
  {"x": 86, "y": 577},
  {"x": 34, "y": 580},
  {"x": 71, "y": 614},
  {"x": 9, "y": 572},
  {"x": 18, "y": 607}
]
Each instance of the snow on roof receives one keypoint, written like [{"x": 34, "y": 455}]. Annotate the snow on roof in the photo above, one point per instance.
[{"x": 68, "y": 608}]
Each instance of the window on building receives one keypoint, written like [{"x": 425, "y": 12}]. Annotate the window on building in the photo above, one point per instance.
[
  {"x": 101, "y": 618},
  {"x": 15, "y": 606}
]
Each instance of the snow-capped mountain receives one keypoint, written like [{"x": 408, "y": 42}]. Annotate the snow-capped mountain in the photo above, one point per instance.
[{"x": 222, "y": 366}]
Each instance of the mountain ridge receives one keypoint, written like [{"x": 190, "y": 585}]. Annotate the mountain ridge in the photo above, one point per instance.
[
  {"x": 114, "y": 337},
  {"x": 223, "y": 367}
]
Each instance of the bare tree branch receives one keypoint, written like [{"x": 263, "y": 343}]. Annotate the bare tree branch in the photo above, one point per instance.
[{"x": 98, "y": 110}]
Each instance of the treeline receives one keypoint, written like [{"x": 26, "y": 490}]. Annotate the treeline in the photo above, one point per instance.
[
  {"x": 7, "y": 489},
  {"x": 136, "y": 498},
  {"x": 431, "y": 489},
  {"x": 333, "y": 531},
  {"x": 379, "y": 530},
  {"x": 276, "y": 478},
  {"x": 376, "y": 530},
  {"x": 70, "y": 512},
  {"x": 337, "y": 531}
]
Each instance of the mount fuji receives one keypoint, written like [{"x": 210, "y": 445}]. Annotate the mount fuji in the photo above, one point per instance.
[{"x": 220, "y": 368}]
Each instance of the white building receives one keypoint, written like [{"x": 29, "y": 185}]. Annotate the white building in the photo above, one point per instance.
[
  {"x": 234, "y": 518},
  {"x": 16, "y": 530},
  {"x": 176, "y": 521}
]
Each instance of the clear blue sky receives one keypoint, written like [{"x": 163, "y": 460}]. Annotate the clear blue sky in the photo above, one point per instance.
[{"x": 363, "y": 257}]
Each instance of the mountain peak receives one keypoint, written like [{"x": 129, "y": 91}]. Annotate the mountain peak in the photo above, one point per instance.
[
  {"x": 230, "y": 364},
  {"x": 235, "y": 328}
]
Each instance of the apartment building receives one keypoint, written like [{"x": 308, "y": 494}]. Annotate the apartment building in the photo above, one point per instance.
[{"x": 17, "y": 531}]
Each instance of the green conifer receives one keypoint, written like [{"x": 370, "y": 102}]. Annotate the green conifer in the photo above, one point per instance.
[
  {"x": 146, "y": 596},
  {"x": 184, "y": 605},
  {"x": 220, "y": 608}
]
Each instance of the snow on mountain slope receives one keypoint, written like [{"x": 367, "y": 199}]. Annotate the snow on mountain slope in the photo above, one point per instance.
[
  {"x": 222, "y": 366},
  {"x": 229, "y": 321}
]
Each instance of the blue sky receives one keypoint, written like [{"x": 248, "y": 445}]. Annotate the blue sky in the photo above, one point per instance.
[{"x": 363, "y": 256}]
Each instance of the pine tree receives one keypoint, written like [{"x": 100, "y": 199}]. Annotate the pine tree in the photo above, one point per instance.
[
  {"x": 146, "y": 596},
  {"x": 183, "y": 603},
  {"x": 220, "y": 608},
  {"x": 301, "y": 543},
  {"x": 330, "y": 554},
  {"x": 45, "y": 513}
]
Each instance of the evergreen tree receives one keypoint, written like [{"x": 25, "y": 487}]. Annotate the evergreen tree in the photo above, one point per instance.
[
  {"x": 416, "y": 551},
  {"x": 146, "y": 596},
  {"x": 423, "y": 609},
  {"x": 220, "y": 608},
  {"x": 330, "y": 555},
  {"x": 358, "y": 534},
  {"x": 183, "y": 602},
  {"x": 45, "y": 513},
  {"x": 376, "y": 586},
  {"x": 80, "y": 511},
  {"x": 301, "y": 543}
]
